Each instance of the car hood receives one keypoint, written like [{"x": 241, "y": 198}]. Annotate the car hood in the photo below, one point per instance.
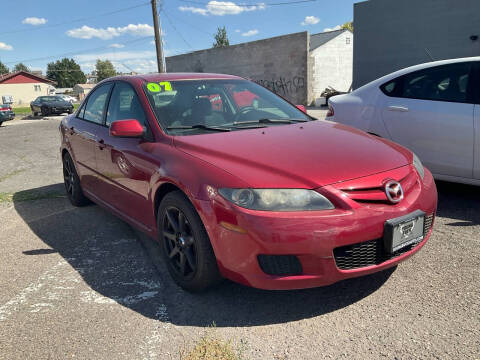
[
  {"x": 59, "y": 103},
  {"x": 304, "y": 155}
]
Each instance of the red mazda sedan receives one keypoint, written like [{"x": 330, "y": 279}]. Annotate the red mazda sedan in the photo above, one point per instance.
[{"x": 254, "y": 191}]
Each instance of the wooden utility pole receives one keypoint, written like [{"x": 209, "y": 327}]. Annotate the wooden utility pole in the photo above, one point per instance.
[{"x": 158, "y": 38}]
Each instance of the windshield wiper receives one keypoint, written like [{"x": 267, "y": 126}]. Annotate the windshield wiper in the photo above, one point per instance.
[
  {"x": 269, "y": 121},
  {"x": 197, "y": 126}
]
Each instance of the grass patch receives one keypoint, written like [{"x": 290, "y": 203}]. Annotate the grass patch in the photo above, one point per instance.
[
  {"x": 29, "y": 195},
  {"x": 211, "y": 348},
  {"x": 9, "y": 175}
]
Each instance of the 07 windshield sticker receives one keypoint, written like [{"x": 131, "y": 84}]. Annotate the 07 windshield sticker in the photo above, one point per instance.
[{"x": 159, "y": 87}]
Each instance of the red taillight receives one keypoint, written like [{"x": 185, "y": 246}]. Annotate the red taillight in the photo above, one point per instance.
[
  {"x": 330, "y": 112},
  {"x": 4, "y": 108}
]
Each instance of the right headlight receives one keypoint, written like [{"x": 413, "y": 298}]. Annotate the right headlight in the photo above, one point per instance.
[
  {"x": 277, "y": 199},
  {"x": 418, "y": 165}
]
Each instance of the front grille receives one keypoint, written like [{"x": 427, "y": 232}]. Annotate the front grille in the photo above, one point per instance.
[
  {"x": 371, "y": 252},
  {"x": 280, "y": 265},
  {"x": 377, "y": 195}
]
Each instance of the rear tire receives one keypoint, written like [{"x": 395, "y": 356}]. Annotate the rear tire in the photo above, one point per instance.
[
  {"x": 72, "y": 183},
  {"x": 185, "y": 244}
]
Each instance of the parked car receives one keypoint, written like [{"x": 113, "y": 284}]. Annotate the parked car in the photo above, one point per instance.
[
  {"x": 433, "y": 109},
  {"x": 264, "y": 195},
  {"x": 6, "y": 113},
  {"x": 67, "y": 98},
  {"x": 47, "y": 105}
]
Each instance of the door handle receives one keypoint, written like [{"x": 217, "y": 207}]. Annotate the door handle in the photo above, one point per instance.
[
  {"x": 101, "y": 144},
  {"x": 398, "y": 108}
]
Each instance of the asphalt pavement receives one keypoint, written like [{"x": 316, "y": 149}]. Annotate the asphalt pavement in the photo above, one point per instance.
[{"x": 81, "y": 283}]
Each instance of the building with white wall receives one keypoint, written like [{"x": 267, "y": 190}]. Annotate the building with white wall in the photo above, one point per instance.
[
  {"x": 332, "y": 57},
  {"x": 24, "y": 87}
]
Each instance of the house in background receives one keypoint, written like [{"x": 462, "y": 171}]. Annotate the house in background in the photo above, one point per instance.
[
  {"x": 92, "y": 78},
  {"x": 81, "y": 90},
  {"x": 332, "y": 55},
  {"x": 25, "y": 87}
]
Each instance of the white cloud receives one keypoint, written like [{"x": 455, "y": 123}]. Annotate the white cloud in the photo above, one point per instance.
[
  {"x": 34, "y": 21},
  {"x": 4, "y": 46},
  {"x": 250, "y": 32},
  {"x": 87, "y": 32},
  {"x": 220, "y": 8},
  {"x": 116, "y": 46},
  {"x": 310, "y": 20},
  {"x": 338, "y": 27}
]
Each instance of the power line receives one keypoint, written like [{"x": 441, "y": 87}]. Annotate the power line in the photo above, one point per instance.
[
  {"x": 250, "y": 5},
  {"x": 188, "y": 24},
  {"x": 77, "y": 52},
  {"x": 176, "y": 30},
  {"x": 75, "y": 20}
]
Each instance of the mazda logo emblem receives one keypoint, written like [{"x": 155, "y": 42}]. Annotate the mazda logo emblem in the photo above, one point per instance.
[{"x": 394, "y": 191}]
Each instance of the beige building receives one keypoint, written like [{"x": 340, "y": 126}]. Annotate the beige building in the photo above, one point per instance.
[
  {"x": 24, "y": 87},
  {"x": 81, "y": 90}
]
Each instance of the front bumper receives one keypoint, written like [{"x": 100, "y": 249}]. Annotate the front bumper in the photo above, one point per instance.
[
  {"x": 7, "y": 115},
  {"x": 59, "y": 110},
  {"x": 310, "y": 236}
]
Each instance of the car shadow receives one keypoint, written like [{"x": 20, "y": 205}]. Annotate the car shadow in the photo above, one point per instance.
[
  {"x": 106, "y": 253},
  {"x": 458, "y": 202}
]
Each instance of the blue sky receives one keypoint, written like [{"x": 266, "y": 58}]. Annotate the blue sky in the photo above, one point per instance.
[{"x": 37, "y": 32}]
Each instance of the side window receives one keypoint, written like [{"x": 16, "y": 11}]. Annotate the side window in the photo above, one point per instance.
[
  {"x": 441, "y": 83},
  {"x": 95, "y": 107},
  {"x": 124, "y": 104}
]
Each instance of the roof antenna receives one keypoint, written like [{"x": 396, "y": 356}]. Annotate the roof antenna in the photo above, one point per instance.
[{"x": 429, "y": 55}]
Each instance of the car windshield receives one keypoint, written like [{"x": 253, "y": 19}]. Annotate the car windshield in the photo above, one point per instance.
[
  {"x": 188, "y": 107},
  {"x": 50, "y": 98}
]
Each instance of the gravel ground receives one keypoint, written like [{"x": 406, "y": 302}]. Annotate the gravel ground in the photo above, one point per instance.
[{"x": 78, "y": 283}]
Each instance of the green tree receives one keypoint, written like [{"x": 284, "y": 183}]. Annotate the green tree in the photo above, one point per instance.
[
  {"x": 348, "y": 26},
  {"x": 3, "y": 69},
  {"x": 104, "y": 69},
  {"x": 20, "y": 67},
  {"x": 221, "y": 39},
  {"x": 66, "y": 73}
]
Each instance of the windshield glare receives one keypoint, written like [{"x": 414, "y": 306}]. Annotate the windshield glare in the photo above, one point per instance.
[{"x": 178, "y": 105}]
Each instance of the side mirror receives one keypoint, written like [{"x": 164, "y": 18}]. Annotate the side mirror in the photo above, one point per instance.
[
  {"x": 126, "y": 128},
  {"x": 301, "y": 108}
]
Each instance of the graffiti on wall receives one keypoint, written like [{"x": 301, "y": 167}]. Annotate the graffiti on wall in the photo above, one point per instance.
[{"x": 284, "y": 86}]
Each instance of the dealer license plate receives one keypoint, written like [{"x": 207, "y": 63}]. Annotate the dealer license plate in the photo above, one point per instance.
[{"x": 403, "y": 231}]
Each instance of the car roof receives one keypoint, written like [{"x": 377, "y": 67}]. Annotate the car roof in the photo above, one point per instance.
[
  {"x": 413, "y": 68},
  {"x": 156, "y": 77}
]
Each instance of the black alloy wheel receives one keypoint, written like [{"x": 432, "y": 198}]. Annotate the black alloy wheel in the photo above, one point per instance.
[
  {"x": 179, "y": 242},
  {"x": 185, "y": 244},
  {"x": 72, "y": 183},
  {"x": 45, "y": 111}
]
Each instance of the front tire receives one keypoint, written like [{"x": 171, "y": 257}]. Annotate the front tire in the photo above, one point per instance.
[
  {"x": 72, "y": 183},
  {"x": 185, "y": 243},
  {"x": 45, "y": 111}
]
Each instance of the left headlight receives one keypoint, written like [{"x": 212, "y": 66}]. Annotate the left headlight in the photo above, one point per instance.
[
  {"x": 418, "y": 165},
  {"x": 277, "y": 199}
]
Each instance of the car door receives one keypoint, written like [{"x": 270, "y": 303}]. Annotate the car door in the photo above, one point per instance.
[
  {"x": 124, "y": 163},
  {"x": 82, "y": 134},
  {"x": 430, "y": 111}
]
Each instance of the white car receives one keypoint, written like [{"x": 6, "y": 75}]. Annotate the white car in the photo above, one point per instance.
[
  {"x": 68, "y": 98},
  {"x": 433, "y": 109}
]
